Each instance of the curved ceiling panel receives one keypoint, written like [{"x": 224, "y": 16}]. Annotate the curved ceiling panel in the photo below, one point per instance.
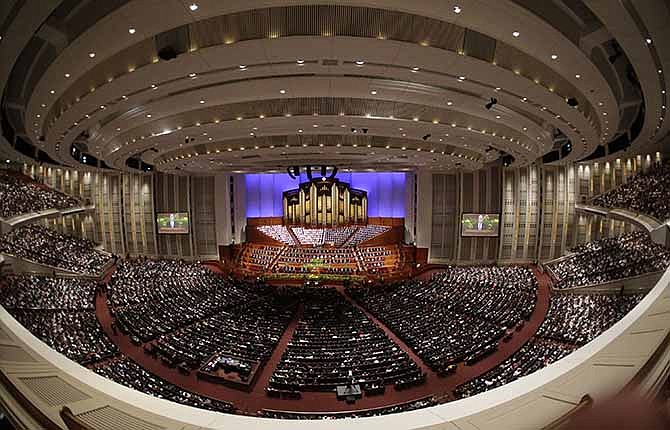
[{"x": 103, "y": 77}]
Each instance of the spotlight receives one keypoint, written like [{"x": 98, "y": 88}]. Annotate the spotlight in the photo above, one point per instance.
[
  {"x": 426, "y": 137},
  {"x": 365, "y": 130},
  {"x": 353, "y": 130},
  {"x": 490, "y": 104}
]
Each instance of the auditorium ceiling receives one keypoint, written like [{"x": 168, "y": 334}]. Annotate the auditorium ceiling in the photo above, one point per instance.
[{"x": 202, "y": 86}]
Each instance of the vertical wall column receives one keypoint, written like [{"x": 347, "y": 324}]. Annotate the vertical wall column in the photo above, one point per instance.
[
  {"x": 410, "y": 207},
  {"x": 424, "y": 210},
  {"x": 239, "y": 211},
  {"x": 222, "y": 215}
]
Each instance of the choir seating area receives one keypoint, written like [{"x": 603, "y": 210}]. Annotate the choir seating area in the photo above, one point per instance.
[{"x": 344, "y": 236}]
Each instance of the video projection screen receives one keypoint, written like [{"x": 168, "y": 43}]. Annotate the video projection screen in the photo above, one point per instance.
[
  {"x": 173, "y": 223},
  {"x": 482, "y": 225}
]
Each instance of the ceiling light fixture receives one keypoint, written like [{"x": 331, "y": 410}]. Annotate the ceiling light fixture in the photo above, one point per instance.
[
  {"x": 91, "y": 54},
  {"x": 554, "y": 57},
  {"x": 282, "y": 91},
  {"x": 131, "y": 30},
  {"x": 360, "y": 62},
  {"x": 457, "y": 9},
  {"x": 193, "y": 7},
  {"x": 516, "y": 34}
]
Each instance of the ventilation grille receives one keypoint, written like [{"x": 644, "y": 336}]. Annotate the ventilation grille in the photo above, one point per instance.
[
  {"x": 108, "y": 418},
  {"x": 53, "y": 390},
  {"x": 14, "y": 353}
]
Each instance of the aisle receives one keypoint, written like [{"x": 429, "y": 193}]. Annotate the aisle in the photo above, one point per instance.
[{"x": 255, "y": 400}]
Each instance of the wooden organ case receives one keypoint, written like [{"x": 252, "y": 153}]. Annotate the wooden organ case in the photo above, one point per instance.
[{"x": 325, "y": 202}]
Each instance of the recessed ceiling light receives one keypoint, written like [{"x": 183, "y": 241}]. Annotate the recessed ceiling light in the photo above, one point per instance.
[
  {"x": 449, "y": 103},
  {"x": 457, "y": 9},
  {"x": 52, "y": 91},
  {"x": 282, "y": 91},
  {"x": 315, "y": 125},
  {"x": 202, "y": 102},
  {"x": 192, "y": 75},
  {"x": 461, "y": 78},
  {"x": 131, "y": 30},
  {"x": 91, "y": 54},
  {"x": 648, "y": 40},
  {"x": 524, "y": 99},
  {"x": 154, "y": 86},
  {"x": 497, "y": 116},
  {"x": 373, "y": 92},
  {"x": 38, "y": 116},
  {"x": 148, "y": 115},
  {"x": 554, "y": 57},
  {"x": 415, "y": 69},
  {"x": 67, "y": 75},
  {"x": 516, "y": 34},
  {"x": 360, "y": 62},
  {"x": 578, "y": 76},
  {"x": 193, "y": 7},
  {"x": 243, "y": 67},
  {"x": 300, "y": 62},
  {"x": 43, "y": 105},
  {"x": 124, "y": 97},
  {"x": 300, "y": 130},
  {"x": 102, "y": 106}
]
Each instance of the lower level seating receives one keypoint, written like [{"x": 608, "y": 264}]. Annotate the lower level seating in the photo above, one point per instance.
[
  {"x": 128, "y": 373},
  {"x": 336, "y": 344}
]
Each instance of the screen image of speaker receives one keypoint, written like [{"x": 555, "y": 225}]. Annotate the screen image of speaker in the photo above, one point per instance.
[
  {"x": 173, "y": 223},
  {"x": 486, "y": 225}
]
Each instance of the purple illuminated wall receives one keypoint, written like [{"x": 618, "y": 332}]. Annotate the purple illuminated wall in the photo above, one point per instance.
[{"x": 386, "y": 192}]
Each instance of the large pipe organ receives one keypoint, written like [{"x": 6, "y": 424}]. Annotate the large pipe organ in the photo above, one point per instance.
[{"x": 325, "y": 202}]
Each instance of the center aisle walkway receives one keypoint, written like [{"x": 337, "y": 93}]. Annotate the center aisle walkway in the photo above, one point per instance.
[{"x": 255, "y": 400}]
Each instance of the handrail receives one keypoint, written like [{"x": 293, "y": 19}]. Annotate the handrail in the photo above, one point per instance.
[{"x": 559, "y": 423}]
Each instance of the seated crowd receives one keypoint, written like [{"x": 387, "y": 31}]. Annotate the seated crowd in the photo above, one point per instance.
[
  {"x": 393, "y": 409},
  {"x": 126, "y": 372},
  {"x": 150, "y": 298},
  {"x": 459, "y": 315},
  {"x": 20, "y": 195},
  {"x": 535, "y": 354},
  {"x": 579, "y": 318},
  {"x": 610, "y": 259},
  {"x": 647, "y": 193},
  {"x": 347, "y": 236},
  {"x": 60, "y": 312},
  {"x": 47, "y": 292},
  {"x": 336, "y": 344},
  {"x": 277, "y": 232},
  {"x": 246, "y": 334},
  {"x": 45, "y": 246}
]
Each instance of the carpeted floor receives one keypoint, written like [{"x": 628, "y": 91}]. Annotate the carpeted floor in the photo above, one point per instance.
[{"x": 255, "y": 400}]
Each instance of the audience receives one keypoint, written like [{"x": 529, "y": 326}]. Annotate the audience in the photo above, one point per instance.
[
  {"x": 335, "y": 344},
  {"x": 403, "y": 407},
  {"x": 150, "y": 298},
  {"x": 647, "y": 193},
  {"x": 46, "y": 292},
  {"x": 459, "y": 315},
  {"x": 534, "y": 355},
  {"x": 608, "y": 260},
  {"x": 45, "y": 246},
  {"x": 20, "y": 195},
  {"x": 579, "y": 318},
  {"x": 126, "y": 372}
]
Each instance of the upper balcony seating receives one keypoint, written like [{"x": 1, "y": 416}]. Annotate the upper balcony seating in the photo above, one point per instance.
[
  {"x": 45, "y": 246},
  {"x": 610, "y": 259},
  {"x": 647, "y": 193},
  {"x": 20, "y": 195}
]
